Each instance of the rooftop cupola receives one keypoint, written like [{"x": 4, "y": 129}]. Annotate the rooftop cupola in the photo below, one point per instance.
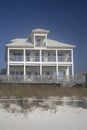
[{"x": 39, "y": 37}]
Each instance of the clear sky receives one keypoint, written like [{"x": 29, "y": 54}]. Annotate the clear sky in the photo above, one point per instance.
[{"x": 66, "y": 20}]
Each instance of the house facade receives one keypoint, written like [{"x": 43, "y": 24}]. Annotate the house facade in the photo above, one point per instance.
[{"x": 38, "y": 55}]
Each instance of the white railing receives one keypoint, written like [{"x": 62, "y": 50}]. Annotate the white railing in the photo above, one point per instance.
[
  {"x": 37, "y": 58},
  {"x": 49, "y": 59},
  {"x": 33, "y": 58},
  {"x": 16, "y": 58},
  {"x": 73, "y": 80},
  {"x": 44, "y": 59},
  {"x": 64, "y": 58},
  {"x": 64, "y": 80}
]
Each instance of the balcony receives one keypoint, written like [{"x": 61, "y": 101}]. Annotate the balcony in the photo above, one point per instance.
[
  {"x": 49, "y": 59},
  {"x": 33, "y": 58},
  {"x": 37, "y": 58},
  {"x": 64, "y": 58},
  {"x": 16, "y": 58}
]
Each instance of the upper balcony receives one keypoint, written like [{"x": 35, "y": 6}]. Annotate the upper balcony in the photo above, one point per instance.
[
  {"x": 16, "y": 58},
  {"x": 37, "y": 58},
  {"x": 32, "y": 58},
  {"x": 64, "y": 59},
  {"x": 49, "y": 59}
]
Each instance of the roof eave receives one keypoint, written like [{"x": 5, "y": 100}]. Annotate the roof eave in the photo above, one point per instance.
[
  {"x": 40, "y": 30},
  {"x": 62, "y": 47},
  {"x": 18, "y": 46}
]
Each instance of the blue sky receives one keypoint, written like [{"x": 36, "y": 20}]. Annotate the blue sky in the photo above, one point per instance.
[{"x": 66, "y": 20}]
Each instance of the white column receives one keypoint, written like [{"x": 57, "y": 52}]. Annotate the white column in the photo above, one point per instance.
[
  {"x": 56, "y": 57},
  {"x": 24, "y": 63},
  {"x": 56, "y": 63},
  {"x": 8, "y": 61},
  {"x": 34, "y": 40},
  {"x": 46, "y": 40},
  {"x": 72, "y": 69},
  {"x": 40, "y": 56},
  {"x": 72, "y": 62},
  {"x": 24, "y": 69},
  {"x": 57, "y": 69},
  {"x": 40, "y": 69},
  {"x": 67, "y": 71},
  {"x": 41, "y": 62}
]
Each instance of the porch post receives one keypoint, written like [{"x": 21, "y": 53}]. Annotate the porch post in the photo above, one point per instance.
[
  {"x": 67, "y": 71},
  {"x": 72, "y": 70},
  {"x": 40, "y": 69},
  {"x": 40, "y": 56},
  {"x": 56, "y": 62},
  {"x": 24, "y": 63},
  {"x": 40, "y": 62},
  {"x": 72, "y": 62},
  {"x": 34, "y": 40},
  {"x": 8, "y": 62},
  {"x": 46, "y": 40}
]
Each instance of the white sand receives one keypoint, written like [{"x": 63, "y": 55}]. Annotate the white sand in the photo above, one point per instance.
[{"x": 64, "y": 118}]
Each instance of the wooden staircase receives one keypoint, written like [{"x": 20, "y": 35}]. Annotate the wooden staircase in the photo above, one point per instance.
[{"x": 78, "y": 79}]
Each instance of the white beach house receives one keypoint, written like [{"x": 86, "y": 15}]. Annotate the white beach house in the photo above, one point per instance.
[{"x": 38, "y": 55}]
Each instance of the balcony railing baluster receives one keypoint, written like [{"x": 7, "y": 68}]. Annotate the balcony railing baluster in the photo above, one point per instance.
[
  {"x": 49, "y": 59},
  {"x": 64, "y": 58},
  {"x": 37, "y": 58},
  {"x": 16, "y": 58},
  {"x": 33, "y": 58}
]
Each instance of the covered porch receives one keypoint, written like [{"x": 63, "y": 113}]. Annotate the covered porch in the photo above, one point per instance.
[{"x": 40, "y": 70}]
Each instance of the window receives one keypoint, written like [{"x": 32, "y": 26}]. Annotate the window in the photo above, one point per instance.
[
  {"x": 49, "y": 58},
  {"x": 21, "y": 72},
  {"x": 17, "y": 73},
  {"x": 17, "y": 54},
  {"x": 48, "y": 53},
  {"x": 61, "y": 73},
  {"x": 54, "y": 73},
  {"x": 36, "y": 53},
  {"x": 28, "y": 53},
  {"x": 48, "y": 73},
  {"x": 37, "y": 73},
  {"x": 60, "y": 54},
  {"x": 29, "y": 73},
  {"x": 36, "y": 56},
  {"x": 27, "y": 56},
  {"x": 38, "y": 40},
  {"x": 12, "y": 73}
]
